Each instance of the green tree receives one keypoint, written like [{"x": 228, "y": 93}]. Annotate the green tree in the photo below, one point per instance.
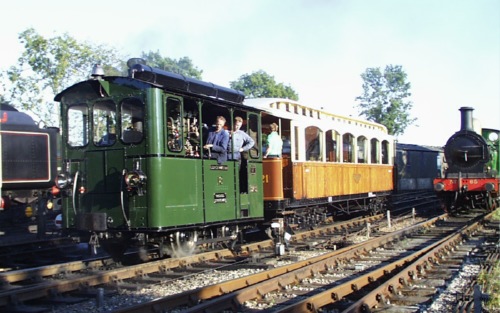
[
  {"x": 385, "y": 98},
  {"x": 183, "y": 66},
  {"x": 262, "y": 85},
  {"x": 46, "y": 67}
]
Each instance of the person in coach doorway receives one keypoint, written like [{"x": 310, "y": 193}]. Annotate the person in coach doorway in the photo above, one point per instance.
[{"x": 274, "y": 143}]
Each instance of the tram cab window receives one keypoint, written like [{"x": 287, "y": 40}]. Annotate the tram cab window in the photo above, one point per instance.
[
  {"x": 191, "y": 128},
  {"x": 174, "y": 125},
  {"x": 104, "y": 123},
  {"x": 78, "y": 125},
  {"x": 132, "y": 120},
  {"x": 183, "y": 126}
]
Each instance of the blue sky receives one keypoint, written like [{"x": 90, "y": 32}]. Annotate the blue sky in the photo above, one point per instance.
[{"x": 450, "y": 49}]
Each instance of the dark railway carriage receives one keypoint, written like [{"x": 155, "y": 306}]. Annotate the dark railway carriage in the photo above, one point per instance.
[
  {"x": 134, "y": 168},
  {"x": 416, "y": 166},
  {"x": 471, "y": 178},
  {"x": 29, "y": 158}
]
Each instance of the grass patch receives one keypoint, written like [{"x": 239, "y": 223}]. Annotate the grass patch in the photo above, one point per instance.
[{"x": 490, "y": 282}]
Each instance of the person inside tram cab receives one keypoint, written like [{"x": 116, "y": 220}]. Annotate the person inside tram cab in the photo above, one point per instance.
[
  {"x": 108, "y": 139},
  {"x": 133, "y": 133},
  {"x": 217, "y": 141},
  {"x": 274, "y": 143}
]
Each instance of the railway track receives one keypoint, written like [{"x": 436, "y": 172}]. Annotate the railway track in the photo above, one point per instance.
[
  {"x": 75, "y": 281},
  {"x": 327, "y": 282},
  {"x": 29, "y": 290}
]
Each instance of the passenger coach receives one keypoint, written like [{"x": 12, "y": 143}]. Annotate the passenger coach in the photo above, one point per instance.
[{"x": 331, "y": 164}]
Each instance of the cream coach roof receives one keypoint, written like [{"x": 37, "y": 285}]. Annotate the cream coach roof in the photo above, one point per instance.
[{"x": 307, "y": 116}]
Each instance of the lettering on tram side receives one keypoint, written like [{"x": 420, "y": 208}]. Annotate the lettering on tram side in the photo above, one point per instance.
[
  {"x": 218, "y": 167},
  {"x": 220, "y": 197}
]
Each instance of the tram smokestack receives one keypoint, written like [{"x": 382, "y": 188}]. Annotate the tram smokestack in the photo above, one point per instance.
[{"x": 466, "y": 114}]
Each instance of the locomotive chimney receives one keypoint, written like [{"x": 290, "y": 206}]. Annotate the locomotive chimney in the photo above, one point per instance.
[{"x": 466, "y": 113}]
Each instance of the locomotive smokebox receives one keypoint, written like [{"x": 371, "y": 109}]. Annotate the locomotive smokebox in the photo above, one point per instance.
[{"x": 466, "y": 114}]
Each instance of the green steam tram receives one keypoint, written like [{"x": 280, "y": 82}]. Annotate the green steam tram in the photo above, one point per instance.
[{"x": 134, "y": 168}]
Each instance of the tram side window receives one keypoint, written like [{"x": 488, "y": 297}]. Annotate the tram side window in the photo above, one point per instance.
[
  {"x": 78, "y": 125},
  {"x": 104, "y": 123},
  {"x": 132, "y": 120},
  {"x": 191, "y": 125},
  {"x": 174, "y": 125}
]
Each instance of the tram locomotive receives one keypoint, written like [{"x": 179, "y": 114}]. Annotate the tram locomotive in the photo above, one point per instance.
[
  {"x": 471, "y": 179},
  {"x": 135, "y": 172},
  {"x": 29, "y": 166}
]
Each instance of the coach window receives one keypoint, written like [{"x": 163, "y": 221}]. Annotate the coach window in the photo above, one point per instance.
[
  {"x": 348, "y": 148},
  {"x": 313, "y": 141},
  {"x": 174, "y": 131},
  {"x": 332, "y": 138},
  {"x": 132, "y": 120},
  {"x": 104, "y": 117},
  {"x": 78, "y": 125},
  {"x": 362, "y": 149},
  {"x": 374, "y": 151},
  {"x": 385, "y": 152}
]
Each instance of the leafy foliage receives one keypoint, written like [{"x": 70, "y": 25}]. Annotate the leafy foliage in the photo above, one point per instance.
[
  {"x": 183, "y": 66},
  {"x": 262, "y": 85},
  {"x": 384, "y": 98},
  {"x": 46, "y": 67}
]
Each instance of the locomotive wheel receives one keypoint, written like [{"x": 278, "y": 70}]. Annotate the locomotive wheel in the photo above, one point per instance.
[
  {"x": 490, "y": 203},
  {"x": 184, "y": 244}
]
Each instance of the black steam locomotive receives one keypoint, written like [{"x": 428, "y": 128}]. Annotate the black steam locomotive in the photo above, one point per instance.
[
  {"x": 29, "y": 165},
  {"x": 471, "y": 178}
]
